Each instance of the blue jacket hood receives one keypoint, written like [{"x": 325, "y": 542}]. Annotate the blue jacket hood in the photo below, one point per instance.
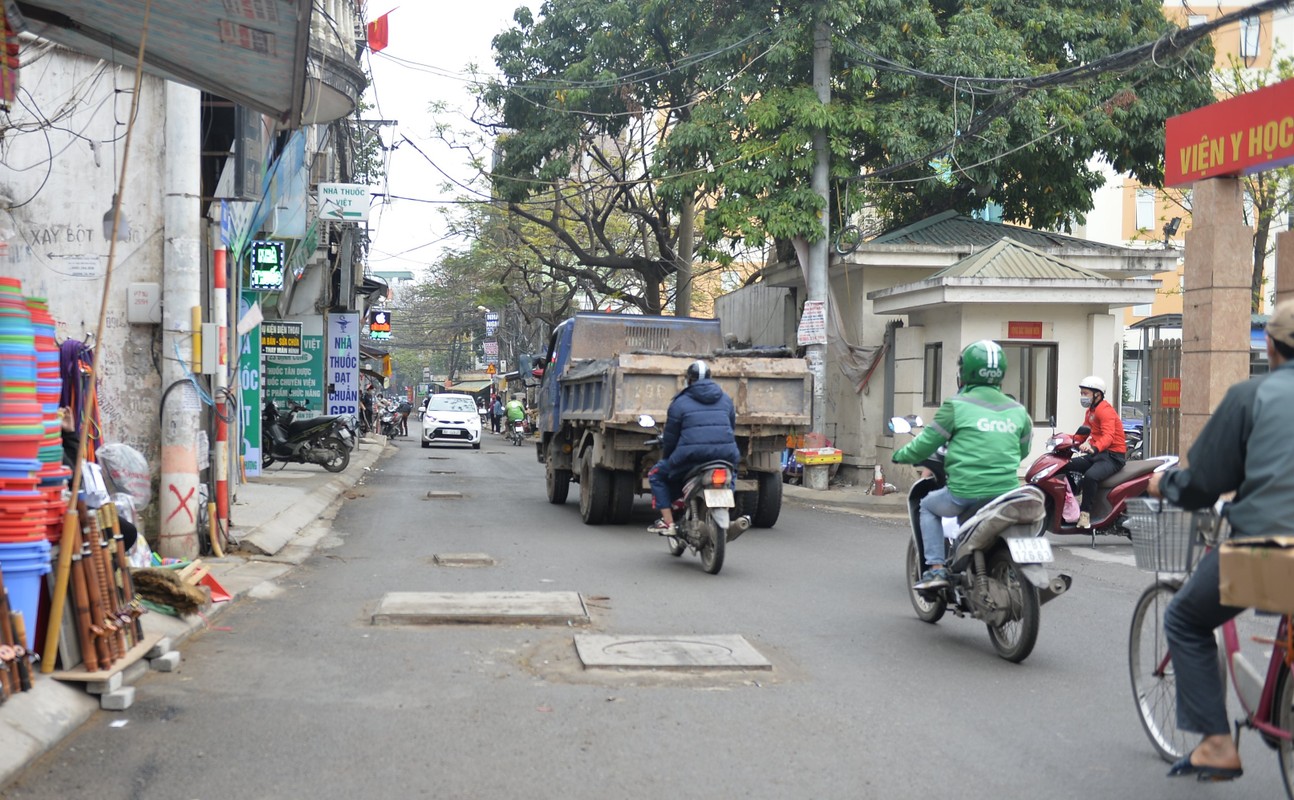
[{"x": 704, "y": 391}]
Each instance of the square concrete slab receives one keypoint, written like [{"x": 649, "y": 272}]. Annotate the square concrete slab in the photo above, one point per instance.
[
  {"x": 686, "y": 653},
  {"x": 435, "y": 494},
  {"x": 480, "y": 608},
  {"x": 463, "y": 560}
]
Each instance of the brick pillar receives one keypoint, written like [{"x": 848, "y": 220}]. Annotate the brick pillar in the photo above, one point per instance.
[
  {"x": 1284, "y": 266},
  {"x": 1215, "y": 314}
]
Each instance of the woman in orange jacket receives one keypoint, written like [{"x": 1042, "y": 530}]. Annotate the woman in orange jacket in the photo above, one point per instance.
[{"x": 1104, "y": 449}]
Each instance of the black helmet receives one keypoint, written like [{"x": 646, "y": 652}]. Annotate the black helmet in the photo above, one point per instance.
[{"x": 696, "y": 371}]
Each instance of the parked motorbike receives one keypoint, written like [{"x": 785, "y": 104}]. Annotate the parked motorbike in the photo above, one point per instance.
[
  {"x": 1108, "y": 514},
  {"x": 995, "y": 560},
  {"x": 517, "y": 431},
  {"x": 325, "y": 440},
  {"x": 389, "y": 423},
  {"x": 704, "y": 523}
]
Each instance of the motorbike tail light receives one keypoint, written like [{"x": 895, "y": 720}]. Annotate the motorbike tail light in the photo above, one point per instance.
[{"x": 719, "y": 477}]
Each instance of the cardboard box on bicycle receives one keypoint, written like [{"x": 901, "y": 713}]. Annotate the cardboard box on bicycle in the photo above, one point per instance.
[{"x": 1258, "y": 572}]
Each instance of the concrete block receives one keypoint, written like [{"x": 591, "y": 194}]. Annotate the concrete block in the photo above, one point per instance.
[
  {"x": 134, "y": 672},
  {"x": 166, "y": 663},
  {"x": 119, "y": 700},
  {"x": 164, "y": 645},
  {"x": 104, "y": 687}
]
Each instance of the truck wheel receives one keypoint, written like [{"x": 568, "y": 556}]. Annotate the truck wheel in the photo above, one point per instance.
[
  {"x": 595, "y": 493},
  {"x": 622, "y": 497},
  {"x": 769, "y": 504},
  {"x": 558, "y": 483},
  {"x": 745, "y": 504}
]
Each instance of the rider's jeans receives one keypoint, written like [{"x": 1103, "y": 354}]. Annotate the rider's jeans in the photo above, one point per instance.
[
  {"x": 1194, "y": 613},
  {"x": 936, "y": 505},
  {"x": 664, "y": 489}
]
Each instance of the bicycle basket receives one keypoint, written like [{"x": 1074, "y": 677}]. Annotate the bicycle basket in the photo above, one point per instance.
[{"x": 1166, "y": 538}]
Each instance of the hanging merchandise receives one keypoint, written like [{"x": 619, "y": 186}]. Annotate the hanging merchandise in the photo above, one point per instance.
[{"x": 76, "y": 365}]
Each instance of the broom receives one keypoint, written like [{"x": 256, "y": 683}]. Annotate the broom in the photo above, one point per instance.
[{"x": 164, "y": 587}]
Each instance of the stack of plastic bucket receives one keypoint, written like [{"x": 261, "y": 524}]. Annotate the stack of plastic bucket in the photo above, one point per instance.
[
  {"x": 23, "y": 564},
  {"x": 53, "y": 474},
  {"x": 22, "y": 421}
]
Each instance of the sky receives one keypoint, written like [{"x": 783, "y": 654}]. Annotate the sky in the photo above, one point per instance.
[{"x": 442, "y": 37}]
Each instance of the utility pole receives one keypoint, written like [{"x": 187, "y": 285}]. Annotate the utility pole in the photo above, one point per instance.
[{"x": 816, "y": 274}]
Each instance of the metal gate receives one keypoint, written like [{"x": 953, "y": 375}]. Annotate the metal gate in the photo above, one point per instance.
[{"x": 1163, "y": 369}]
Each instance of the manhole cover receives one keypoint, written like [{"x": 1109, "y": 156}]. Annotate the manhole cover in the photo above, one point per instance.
[
  {"x": 443, "y": 495},
  {"x": 668, "y": 652},
  {"x": 480, "y": 608},
  {"x": 442, "y": 472},
  {"x": 463, "y": 560}
]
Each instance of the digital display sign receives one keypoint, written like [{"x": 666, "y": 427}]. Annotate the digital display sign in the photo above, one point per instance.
[
  {"x": 379, "y": 325},
  {"x": 268, "y": 260}
]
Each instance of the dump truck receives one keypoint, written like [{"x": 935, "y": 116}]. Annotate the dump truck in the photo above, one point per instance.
[{"x": 604, "y": 371}]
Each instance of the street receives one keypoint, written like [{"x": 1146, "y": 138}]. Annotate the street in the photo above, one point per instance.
[{"x": 297, "y": 694}]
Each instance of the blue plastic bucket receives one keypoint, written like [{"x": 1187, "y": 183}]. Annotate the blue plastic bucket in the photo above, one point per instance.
[{"x": 22, "y": 565}]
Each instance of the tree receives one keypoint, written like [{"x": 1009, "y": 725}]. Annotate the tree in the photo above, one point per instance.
[{"x": 936, "y": 104}]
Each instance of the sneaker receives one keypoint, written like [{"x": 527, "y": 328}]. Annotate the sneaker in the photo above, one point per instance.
[
  {"x": 661, "y": 527},
  {"x": 1084, "y": 520},
  {"x": 933, "y": 578}
]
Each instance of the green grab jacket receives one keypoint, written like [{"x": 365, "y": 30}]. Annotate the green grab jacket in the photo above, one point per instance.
[{"x": 987, "y": 434}]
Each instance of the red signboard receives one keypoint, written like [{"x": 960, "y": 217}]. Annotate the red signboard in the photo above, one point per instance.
[
  {"x": 1170, "y": 393},
  {"x": 1248, "y": 133},
  {"x": 1024, "y": 330}
]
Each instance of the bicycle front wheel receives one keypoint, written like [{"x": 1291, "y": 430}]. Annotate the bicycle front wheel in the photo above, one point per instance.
[{"x": 1154, "y": 684}]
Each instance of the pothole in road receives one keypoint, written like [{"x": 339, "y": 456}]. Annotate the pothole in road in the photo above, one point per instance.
[
  {"x": 463, "y": 560},
  {"x": 443, "y": 495},
  {"x": 481, "y": 608},
  {"x": 678, "y": 653}
]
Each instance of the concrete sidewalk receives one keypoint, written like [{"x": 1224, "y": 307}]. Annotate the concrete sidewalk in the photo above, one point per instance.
[
  {"x": 849, "y": 499},
  {"x": 272, "y": 520}
]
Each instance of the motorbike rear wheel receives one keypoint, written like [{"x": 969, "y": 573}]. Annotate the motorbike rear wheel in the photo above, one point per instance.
[
  {"x": 712, "y": 544},
  {"x": 928, "y": 610},
  {"x": 1014, "y": 639},
  {"x": 340, "y": 458}
]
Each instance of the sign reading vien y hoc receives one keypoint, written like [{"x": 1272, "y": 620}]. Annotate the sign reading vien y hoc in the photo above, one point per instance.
[{"x": 1246, "y": 134}]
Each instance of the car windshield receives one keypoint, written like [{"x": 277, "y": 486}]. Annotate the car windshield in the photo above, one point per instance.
[{"x": 451, "y": 404}]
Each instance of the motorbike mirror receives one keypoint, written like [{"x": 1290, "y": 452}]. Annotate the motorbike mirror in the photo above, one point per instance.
[
  {"x": 900, "y": 425},
  {"x": 646, "y": 421},
  {"x": 1052, "y": 421},
  {"x": 916, "y": 421}
]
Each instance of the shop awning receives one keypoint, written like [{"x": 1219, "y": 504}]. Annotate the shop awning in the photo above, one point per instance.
[
  {"x": 251, "y": 53},
  {"x": 468, "y": 387}
]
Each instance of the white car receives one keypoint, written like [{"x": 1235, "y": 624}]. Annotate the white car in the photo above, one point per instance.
[{"x": 451, "y": 418}]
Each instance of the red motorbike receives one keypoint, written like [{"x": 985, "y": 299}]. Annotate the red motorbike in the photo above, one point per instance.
[{"x": 1049, "y": 473}]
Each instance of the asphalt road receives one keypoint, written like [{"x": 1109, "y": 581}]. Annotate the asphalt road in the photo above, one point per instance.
[{"x": 297, "y": 695}]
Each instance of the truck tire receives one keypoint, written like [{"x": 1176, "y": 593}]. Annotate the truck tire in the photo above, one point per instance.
[
  {"x": 622, "y": 497},
  {"x": 769, "y": 504},
  {"x": 558, "y": 483},
  {"x": 595, "y": 493}
]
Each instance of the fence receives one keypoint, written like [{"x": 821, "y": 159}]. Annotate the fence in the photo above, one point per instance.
[{"x": 1163, "y": 401}]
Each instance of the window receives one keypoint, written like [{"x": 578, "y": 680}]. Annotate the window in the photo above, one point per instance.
[
  {"x": 1196, "y": 19},
  {"x": 1031, "y": 378},
  {"x": 1142, "y": 310},
  {"x": 1145, "y": 209},
  {"x": 931, "y": 391},
  {"x": 1250, "y": 27}
]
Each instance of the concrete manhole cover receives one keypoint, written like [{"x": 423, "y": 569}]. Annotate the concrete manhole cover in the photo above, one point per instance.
[
  {"x": 443, "y": 495},
  {"x": 668, "y": 652},
  {"x": 463, "y": 560},
  {"x": 442, "y": 472},
  {"x": 481, "y": 608}
]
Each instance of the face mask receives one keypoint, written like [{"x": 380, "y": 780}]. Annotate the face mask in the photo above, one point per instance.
[{"x": 1085, "y": 402}]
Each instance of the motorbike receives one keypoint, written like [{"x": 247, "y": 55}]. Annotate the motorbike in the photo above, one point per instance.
[
  {"x": 517, "y": 431},
  {"x": 996, "y": 557},
  {"x": 1109, "y": 509},
  {"x": 325, "y": 440},
  {"x": 389, "y": 423},
  {"x": 703, "y": 520}
]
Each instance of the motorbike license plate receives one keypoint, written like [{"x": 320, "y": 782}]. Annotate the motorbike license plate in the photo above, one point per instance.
[
  {"x": 718, "y": 498},
  {"x": 1030, "y": 551}
]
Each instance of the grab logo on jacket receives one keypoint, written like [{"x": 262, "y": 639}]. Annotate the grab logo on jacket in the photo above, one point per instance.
[{"x": 997, "y": 425}]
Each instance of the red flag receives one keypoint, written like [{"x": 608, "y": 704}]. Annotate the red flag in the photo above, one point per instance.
[{"x": 377, "y": 33}]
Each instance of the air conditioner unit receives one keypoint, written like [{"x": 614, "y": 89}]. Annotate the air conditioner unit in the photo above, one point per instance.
[{"x": 321, "y": 168}]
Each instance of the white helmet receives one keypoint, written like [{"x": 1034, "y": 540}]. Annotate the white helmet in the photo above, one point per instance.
[{"x": 1093, "y": 382}]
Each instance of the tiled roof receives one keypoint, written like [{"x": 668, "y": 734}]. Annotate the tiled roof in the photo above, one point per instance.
[
  {"x": 954, "y": 229},
  {"x": 1010, "y": 259}
]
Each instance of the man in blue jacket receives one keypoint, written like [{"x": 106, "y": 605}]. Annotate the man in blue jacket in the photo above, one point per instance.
[{"x": 698, "y": 429}]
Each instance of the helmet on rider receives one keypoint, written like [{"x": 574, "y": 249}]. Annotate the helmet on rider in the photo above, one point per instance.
[
  {"x": 1093, "y": 383},
  {"x": 697, "y": 371},
  {"x": 982, "y": 363}
]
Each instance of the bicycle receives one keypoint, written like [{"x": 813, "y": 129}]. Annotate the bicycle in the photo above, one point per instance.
[{"x": 1170, "y": 540}]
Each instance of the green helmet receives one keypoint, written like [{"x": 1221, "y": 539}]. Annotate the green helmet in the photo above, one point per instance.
[{"x": 982, "y": 363}]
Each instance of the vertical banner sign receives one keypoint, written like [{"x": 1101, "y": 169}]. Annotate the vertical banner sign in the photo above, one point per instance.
[
  {"x": 342, "y": 372},
  {"x": 813, "y": 323},
  {"x": 249, "y": 381},
  {"x": 298, "y": 376}
]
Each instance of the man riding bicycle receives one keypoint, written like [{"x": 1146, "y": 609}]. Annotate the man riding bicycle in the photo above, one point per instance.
[
  {"x": 987, "y": 434},
  {"x": 1244, "y": 448}
]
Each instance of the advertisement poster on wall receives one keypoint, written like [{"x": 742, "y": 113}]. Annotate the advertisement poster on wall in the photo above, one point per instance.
[
  {"x": 249, "y": 382},
  {"x": 298, "y": 377},
  {"x": 342, "y": 371}
]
